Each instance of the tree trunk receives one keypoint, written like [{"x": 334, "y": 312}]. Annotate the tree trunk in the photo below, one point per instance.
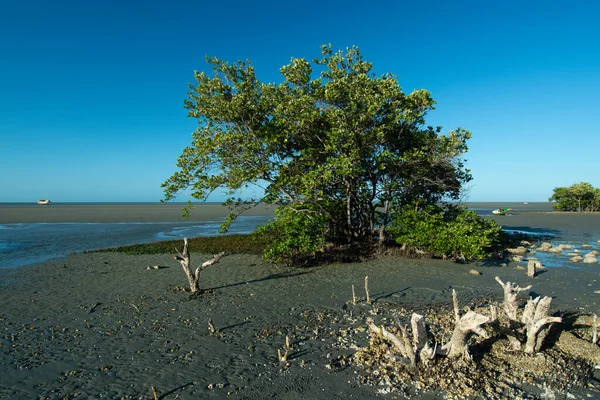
[
  {"x": 386, "y": 205},
  {"x": 184, "y": 259}
]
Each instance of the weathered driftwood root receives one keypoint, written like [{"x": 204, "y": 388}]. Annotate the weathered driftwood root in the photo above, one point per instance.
[
  {"x": 467, "y": 324},
  {"x": 184, "y": 259},
  {"x": 511, "y": 291},
  {"x": 536, "y": 320},
  {"x": 403, "y": 350}
]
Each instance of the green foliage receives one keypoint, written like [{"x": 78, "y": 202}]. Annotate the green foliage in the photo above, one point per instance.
[
  {"x": 453, "y": 232},
  {"x": 254, "y": 243},
  {"x": 333, "y": 146},
  {"x": 580, "y": 197},
  {"x": 296, "y": 235}
]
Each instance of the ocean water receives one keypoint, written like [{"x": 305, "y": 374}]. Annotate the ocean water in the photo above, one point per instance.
[
  {"x": 29, "y": 243},
  {"x": 116, "y": 224}
]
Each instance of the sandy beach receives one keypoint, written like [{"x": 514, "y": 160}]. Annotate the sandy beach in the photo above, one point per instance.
[
  {"x": 116, "y": 212},
  {"x": 101, "y": 325}
]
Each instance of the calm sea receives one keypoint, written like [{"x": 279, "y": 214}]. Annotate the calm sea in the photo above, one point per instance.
[
  {"x": 32, "y": 242},
  {"x": 25, "y": 243}
]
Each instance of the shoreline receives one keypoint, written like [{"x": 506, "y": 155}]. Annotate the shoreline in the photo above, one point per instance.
[
  {"x": 119, "y": 212},
  {"x": 102, "y": 324}
]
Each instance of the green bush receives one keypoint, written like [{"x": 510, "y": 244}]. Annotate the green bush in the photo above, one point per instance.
[
  {"x": 295, "y": 234},
  {"x": 453, "y": 232}
]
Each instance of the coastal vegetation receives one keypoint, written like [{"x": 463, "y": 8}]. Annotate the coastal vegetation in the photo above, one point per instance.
[
  {"x": 580, "y": 197},
  {"x": 340, "y": 150}
]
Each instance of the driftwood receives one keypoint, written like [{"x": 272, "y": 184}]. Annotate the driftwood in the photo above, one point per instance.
[
  {"x": 403, "y": 350},
  {"x": 595, "y": 330},
  {"x": 511, "y": 291},
  {"x": 534, "y": 322},
  {"x": 184, "y": 259},
  {"x": 409, "y": 353},
  {"x": 526, "y": 333},
  {"x": 467, "y": 324}
]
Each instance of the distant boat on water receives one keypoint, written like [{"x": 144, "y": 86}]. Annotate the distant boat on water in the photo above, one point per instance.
[
  {"x": 43, "y": 202},
  {"x": 501, "y": 211}
]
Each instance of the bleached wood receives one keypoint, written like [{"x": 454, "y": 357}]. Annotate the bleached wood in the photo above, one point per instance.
[
  {"x": 401, "y": 354},
  {"x": 532, "y": 267},
  {"x": 469, "y": 323},
  {"x": 534, "y": 339},
  {"x": 595, "y": 330},
  {"x": 419, "y": 331},
  {"x": 455, "y": 304},
  {"x": 510, "y": 304},
  {"x": 184, "y": 259}
]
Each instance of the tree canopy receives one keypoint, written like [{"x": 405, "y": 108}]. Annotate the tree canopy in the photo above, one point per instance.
[
  {"x": 580, "y": 197},
  {"x": 336, "y": 147}
]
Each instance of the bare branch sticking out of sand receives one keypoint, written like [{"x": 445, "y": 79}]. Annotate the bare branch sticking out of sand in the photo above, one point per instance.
[
  {"x": 282, "y": 357},
  {"x": 595, "y": 330},
  {"x": 184, "y": 259},
  {"x": 367, "y": 289},
  {"x": 353, "y": 296}
]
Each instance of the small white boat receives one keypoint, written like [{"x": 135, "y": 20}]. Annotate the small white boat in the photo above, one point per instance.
[
  {"x": 43, "y": 202},
  {"x": 501, "y": 211}
]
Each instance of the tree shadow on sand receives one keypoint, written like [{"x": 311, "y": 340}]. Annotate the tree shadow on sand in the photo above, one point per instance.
[{"x": 266, "y": 278}]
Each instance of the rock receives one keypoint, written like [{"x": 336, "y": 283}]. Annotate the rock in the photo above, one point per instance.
[
  {"x": 517, "y": 250},
  {"x": 545, "y": 246},
  {"x": 515, "y": 258},
  {"x": 525, "y": 243},
  {"x": 520, "y": 267},
  {"x": 576, "y": 259},
  {"x": 474, "y": 272},
  {"x": 590, "y": 258},
  {"x": 579, "y": 348},
  {"x": 503, "y": 265},
  {"x": 565, "y": 246},
  {"x": 555, "y": 250},
  {"x": 586, "y": 246},
  {"x": 573, "y": 255},
  {"x": 576, "y": 251}
]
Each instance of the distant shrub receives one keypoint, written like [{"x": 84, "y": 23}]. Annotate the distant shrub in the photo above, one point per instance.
[{"x": 452, "y": 232}]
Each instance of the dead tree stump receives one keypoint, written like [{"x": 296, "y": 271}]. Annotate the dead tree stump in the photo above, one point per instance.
[{"x": 184, "y": 259}]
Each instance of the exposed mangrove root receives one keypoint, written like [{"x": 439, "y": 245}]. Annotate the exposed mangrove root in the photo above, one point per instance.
[
  {"x": 511, "y": 291},
  {"x": 367, "y": 290},
  {"x": 534, "y": 322}
]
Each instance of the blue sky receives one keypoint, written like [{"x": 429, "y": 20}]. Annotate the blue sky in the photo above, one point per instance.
[{"x": 91, "y": 93}]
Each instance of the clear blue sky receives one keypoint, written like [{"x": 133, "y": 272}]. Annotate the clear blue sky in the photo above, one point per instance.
[{"x": 91, "y": 93}]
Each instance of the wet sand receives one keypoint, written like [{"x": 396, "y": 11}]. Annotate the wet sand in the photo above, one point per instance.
[
  {"x": 100, "y": 325},
  {"x": 117, "y": 212}
]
